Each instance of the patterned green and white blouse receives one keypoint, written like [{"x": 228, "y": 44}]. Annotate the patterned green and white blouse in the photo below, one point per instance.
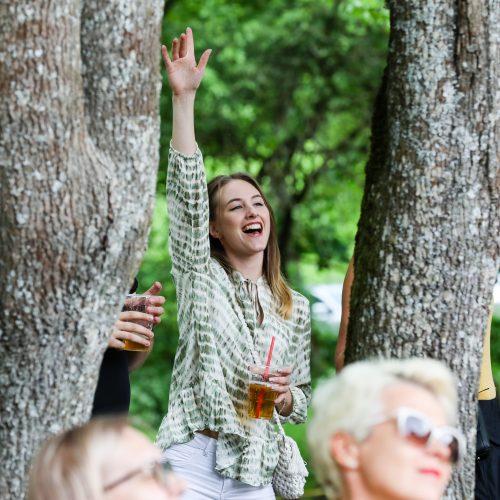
[{"x": 218, "y": 327}]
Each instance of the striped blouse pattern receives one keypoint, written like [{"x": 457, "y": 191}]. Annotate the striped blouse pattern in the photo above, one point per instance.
[{"x": 218, "y": 329}]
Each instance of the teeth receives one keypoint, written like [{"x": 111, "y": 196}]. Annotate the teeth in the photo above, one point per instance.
[{"x": 252, "y": 227}]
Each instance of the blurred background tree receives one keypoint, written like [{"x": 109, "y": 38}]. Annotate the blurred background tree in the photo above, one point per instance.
[{"x": 288, "y": 97}]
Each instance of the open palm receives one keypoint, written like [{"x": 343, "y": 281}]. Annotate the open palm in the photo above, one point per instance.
[{"x": 183, "y": 73}]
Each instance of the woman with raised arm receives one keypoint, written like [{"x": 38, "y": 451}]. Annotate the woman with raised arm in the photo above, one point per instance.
[{"x": 232, "y": 300}]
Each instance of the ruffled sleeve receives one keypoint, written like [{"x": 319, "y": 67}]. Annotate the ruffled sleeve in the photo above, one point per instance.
[
  {"x": 301, "y": 375},
  {"x": 188, "y": 210}
]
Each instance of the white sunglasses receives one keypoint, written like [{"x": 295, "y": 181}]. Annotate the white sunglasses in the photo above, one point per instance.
[{"x": 417, "y": 428}]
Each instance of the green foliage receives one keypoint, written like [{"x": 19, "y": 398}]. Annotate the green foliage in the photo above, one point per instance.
[
  {"x": 495, "y": 349},
  {"x": 287, "y": 97}
]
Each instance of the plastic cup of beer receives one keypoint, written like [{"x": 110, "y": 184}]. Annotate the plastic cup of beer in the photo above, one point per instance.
[
  {"x": 261, "y": 395},
  {"x": 134, "y": 302}
]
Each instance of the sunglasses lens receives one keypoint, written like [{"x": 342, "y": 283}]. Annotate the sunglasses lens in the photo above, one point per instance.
[
  {"x": 451, "y": 441},
  {"x": 416, "y": 429}
]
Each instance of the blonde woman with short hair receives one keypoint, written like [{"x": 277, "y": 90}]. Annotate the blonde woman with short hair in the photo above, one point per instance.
[{"x": 384, "y": 429}]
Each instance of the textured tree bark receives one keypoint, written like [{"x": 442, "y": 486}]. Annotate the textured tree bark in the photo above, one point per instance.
[
  {"x": 427, "y": 249},
  {"x": 79, "y": 119}
]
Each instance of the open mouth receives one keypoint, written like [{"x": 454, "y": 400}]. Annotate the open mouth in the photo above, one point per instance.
[{"x": 253, "y": 228}]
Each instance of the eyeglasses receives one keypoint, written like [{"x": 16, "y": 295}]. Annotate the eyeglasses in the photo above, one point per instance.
[
  {"x": 417, "y": 428},
  {"x": 160, "y": 471}
]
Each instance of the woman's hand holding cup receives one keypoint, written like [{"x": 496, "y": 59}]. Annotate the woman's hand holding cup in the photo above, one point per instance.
[
  {"x": 280, "y": 379},
  {"x": 133, "y": 329}
]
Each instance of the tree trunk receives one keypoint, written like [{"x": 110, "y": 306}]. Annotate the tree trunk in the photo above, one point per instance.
[
  {"x": 79, "y": 119},
  {"x": 427, "y": 249}
]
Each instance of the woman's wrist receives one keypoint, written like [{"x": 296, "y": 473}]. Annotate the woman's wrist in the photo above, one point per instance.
[
  {"x": 183, "y": 136},
  {"x": 184, "y": 98}
]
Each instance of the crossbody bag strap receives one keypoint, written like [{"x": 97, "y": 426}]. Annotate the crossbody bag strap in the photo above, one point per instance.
[{"x": 277, "y": 419}]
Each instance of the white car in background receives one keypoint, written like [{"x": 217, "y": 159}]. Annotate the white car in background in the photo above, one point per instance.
[{"x": 326, "y": 306}]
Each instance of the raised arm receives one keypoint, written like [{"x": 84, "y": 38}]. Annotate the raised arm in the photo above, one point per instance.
[
  {"x": 186, "y": 183},
  {"x": 185, "y": 77}
]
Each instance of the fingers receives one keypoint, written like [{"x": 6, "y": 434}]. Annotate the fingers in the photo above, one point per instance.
[
  {"x": 189, "y": 41},
  {"x": 281, "y": 381},
  {"x": 115, "y": 343},
  {"x": 154, "y": 289},
  {"x": 280, "y": 399},
  {"x": 155, "y": 303},
  {"x": 166, "y": 58},
  {"x": 183, "y": 50},
  {"x": 133, "y": 328},
  {"x": 285, "y": 371},
  {"x": 284, "y": 397},
  {"x": 156, "y": 300},
  {"x": 204, "y": 60},
  {"x": 152, "y": 315},
  {"x": 281, "y": 388},
  {"x": 122, "y": 335},
  {"x": 175, "y": 49},
  {"x": 123, "y": 332},
  {"x": 157, "y": 312},
  {"x": 131, "y": 316}
]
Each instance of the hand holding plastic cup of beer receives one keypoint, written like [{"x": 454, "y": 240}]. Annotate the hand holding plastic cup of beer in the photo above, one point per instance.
[
  {"x": 138, "y": 303},
  {"x": 261, "y": 392}
]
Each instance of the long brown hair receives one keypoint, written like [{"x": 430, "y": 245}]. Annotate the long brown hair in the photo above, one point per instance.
[{"x": 272, "y": 259}]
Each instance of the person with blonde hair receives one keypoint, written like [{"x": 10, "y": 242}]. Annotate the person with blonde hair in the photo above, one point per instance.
[
  {"x": 105, "y": 459},
  {"x": 384, "y": 429}
]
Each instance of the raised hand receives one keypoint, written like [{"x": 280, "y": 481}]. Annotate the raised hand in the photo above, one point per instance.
[
  {"x": 184, "y": 74},
  {"x": 130, "y": 324}
]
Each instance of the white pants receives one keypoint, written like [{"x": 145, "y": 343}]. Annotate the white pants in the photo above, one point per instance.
[{"x": 194, "y": 461}]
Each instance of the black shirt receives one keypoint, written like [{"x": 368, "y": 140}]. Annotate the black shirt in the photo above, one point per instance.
[{"x": 112, "y": 395}]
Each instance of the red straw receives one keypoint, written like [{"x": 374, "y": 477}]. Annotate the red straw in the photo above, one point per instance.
[
  {"x": 269, "y": 356},
  {"x": 266, "y": 372}
]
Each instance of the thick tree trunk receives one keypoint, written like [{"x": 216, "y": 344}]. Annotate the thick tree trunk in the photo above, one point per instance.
[
  {"x": 427, "y": 249},
  {"x": 79, "y": 90}
]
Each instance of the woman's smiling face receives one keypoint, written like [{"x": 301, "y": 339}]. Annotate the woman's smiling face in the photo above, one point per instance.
[{"x": 242, "y": 222}]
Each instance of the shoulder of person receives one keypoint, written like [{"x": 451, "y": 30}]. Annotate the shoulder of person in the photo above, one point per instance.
[
  {"x": 301, "y": 307},
  {"x": 217, "y": 270},
  {"x": 299, "y": 299}
]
